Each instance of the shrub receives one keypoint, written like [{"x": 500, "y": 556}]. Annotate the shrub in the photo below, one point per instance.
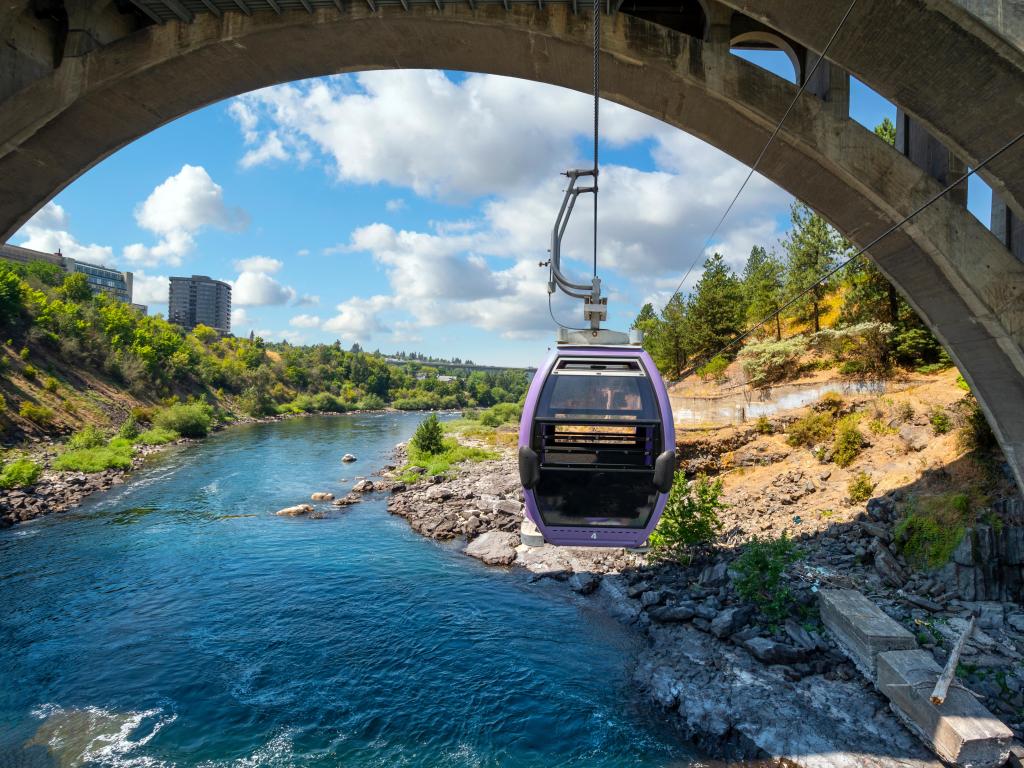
[
  {"x": 23, "y": 354},
  {"x": 848, "y": 441},
  {"x": 19, "y": 474},
  {"x": 143, "y": 414},
  {"x": 188, "y": 420},
  {"x": 864, "y": 346},
  {"x": 3, "y": 404},
  {"x": 811, "y": 429},
  {"x": 940, "y": 421},
  {"x": 690, "y": 519},
  {"x": 905, "y": 411},
  {"x": 39, "y": 414},
  {"x": 30, "y": 371},
  {"x": 714, "y": 368},
  {"x": 371, "y": 402},
  {"x": 974, "y": 432},
  {"x": 759, "y": 571},
  {"x": 429, "y": 437},
  {"x": 762, "y": 426},
  {"x": 117, "y": 454},
  {"x": 129, "y": 428},
  {"x": 830, "y": 402},
  {"x": 771, "y": 361},
  {"x": 962, "y": 383},
  {"x": 157, "y": 436},
  {"x": 931, "y": 368},
  {"x": 87, "y": 437},
  {"x": 502, "y": 413},
  {"x": 50, "y": 384},
  {"x": 860, "y": 487}
]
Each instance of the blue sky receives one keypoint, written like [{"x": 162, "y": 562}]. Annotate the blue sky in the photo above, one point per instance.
[{"x": 408, "y": 210}]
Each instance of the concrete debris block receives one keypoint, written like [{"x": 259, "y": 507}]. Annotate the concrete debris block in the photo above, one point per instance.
[
  {"x": 1016, "y": 755},
  {"x": 860, "y": 628},
  {"x": 960, "y": 730},
  {"x": 530, "y": 534},
  {"x": 494, "y": 547}
]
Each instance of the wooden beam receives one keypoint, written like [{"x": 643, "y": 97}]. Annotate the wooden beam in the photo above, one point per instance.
[{"x": 946, "y": 678}]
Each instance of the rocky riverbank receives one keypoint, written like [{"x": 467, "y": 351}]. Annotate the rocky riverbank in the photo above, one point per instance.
[{"x": 738, "y": 685}]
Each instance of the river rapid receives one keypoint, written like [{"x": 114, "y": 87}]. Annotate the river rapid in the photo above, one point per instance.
[{"x": 175, "y": 621}]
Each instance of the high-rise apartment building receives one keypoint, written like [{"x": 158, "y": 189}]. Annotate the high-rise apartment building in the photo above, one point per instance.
[{"x": 200, "y": 300}]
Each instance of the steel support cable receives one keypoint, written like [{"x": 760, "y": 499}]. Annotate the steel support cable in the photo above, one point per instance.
[
  {"x": 845, "y": 263},
  {"x": 597, "y": 109},
  {"x": 764, "y": 149}
]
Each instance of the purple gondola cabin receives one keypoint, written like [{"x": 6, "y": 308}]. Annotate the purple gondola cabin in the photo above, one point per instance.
[{"x": 596, "y": 446}]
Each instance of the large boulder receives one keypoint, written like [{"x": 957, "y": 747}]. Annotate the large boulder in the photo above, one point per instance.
[
  {"x": 298, "y": 509},
  {"x": 363, "y": 486},
  {"x": 322, "y": 496},
  {"x": 348, "y": 458},
  {"x": 494, "y": 548}
]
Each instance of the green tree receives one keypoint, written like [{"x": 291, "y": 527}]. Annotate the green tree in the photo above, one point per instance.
[
  {"x": 429, "y": 437},
  {"x": 764, "y": 285},
  {"x": 76, "y": 288},
  {"x": 668, "y": 341},
  {"x": 812, "y": 247},
  {"x": 886, "y": 131},
  {"x": 717, "y": 308},
  {"x": 12, "y": 295}
]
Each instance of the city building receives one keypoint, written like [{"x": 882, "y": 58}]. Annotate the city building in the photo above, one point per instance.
[
  {"x": 101, "y": 279},
  {"x": 200, "y": 300}
]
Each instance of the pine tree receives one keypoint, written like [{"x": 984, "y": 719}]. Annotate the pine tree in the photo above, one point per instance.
[
  {"x": 763, "y": 285},
  {"x": 717, "y": 309},
  {"x": 666, "y": 338},
  {"x": 812, "y": 247},
  {"x": 886, "y": 131}
]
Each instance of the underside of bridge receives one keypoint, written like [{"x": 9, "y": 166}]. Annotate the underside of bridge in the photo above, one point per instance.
[{"x": 81, "y": 78}]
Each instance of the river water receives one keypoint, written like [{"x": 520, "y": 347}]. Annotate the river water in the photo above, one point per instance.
[{"x": 176, "y": 621}]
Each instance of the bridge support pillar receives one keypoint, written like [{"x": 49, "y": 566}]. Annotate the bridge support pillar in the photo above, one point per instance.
[
  {"x": 830, "y": 83},
  {"x": 930, "y": 155},
  {"x": 1007, "y": 227}
]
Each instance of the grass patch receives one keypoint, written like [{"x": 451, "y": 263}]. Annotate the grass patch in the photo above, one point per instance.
[
  {"x": 117, "y": 454},
  {"x": 39, "y": 414},
  {"x": 157, "y": 436},
  {"x": 87, "y": 437},
  {"x": 19, "y": 474},
  {"x": 452, "y": 452},
  {"x": 762, "y": 426},
  {"x": 933, "y": 528}
]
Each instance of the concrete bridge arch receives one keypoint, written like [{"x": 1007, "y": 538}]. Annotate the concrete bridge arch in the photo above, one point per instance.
[{"x": 963, "y": 281}]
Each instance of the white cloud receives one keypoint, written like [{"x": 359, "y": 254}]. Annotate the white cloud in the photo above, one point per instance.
[
  {"x": 270, "y": 149},
  {"x": 360, "y": 319},
  {"x": 47, "y": 231},
  {"x": 258, "y": 289},
  {"x": 307, "y": 300},
  {"x": 259, "y": 264},
  {"x": 291, "y": 336},
  {"x": 395, "y": 205},
  {"x": 150, "y": 289},
  {"x": 176, "y": 210},
  {"x": 239, "y": 319},
  {"x": 302, "y": 252},
  {"x": 305, "y": 321}
]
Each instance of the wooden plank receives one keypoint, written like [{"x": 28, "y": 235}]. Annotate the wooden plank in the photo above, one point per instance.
[{"x": 942, "y": 685}]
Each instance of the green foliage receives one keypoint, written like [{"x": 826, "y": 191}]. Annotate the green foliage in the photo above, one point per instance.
[
  {"x": 690, "y": 519},
  {"x": 39, "y": 414},
  {"x": 768, "y": 362},
  {"x": 812, "y": 429},
  {"x": 19, "y": 473},
  {"x": 24, "y": 353},
  {"x": 762, "y": 426},
  {"x": 371, "y": 402},
  {"x": 157, "y": 436},
  {"x": 830, "y": 402},
  {"x": 87, "y": 437},
  {"x": 860, "y": 487},
  {"x": 3, "y": 404},
  {"x": 932, "y": 528},
  {"x": 759, "y": 572},
  {"x": 973, "y": 432},
  {"x": 129, "y": 428},
  {"x": 886, "y": 131},
  {"x": 962, "y": 383},
  {"x": 504, "y": 413},
  {"x": 848, "y": 441},
  {"x": 50, "y": 384},
  {"x": 429, "y": 437},
  {"x": 940, "y": 421},
  {"x": 143, "y": 414},
  {"x": 12, "y": 295},
  {"x": 188, "y": 420},
  {"x": 30, "y": 372},
  {"x": 717, "y": 309},
  {"x": 714, "y": 368},
  {"x": 117, "y": 454},
  {"x": 440, "y": 462},
  {"x": 861, "y": 348},
  {"x": 76, "y": 288}
]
